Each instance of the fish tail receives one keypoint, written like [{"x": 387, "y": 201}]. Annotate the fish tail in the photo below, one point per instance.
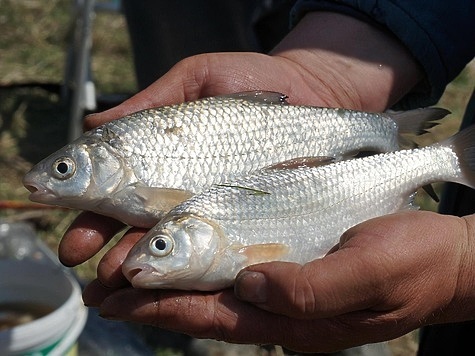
[
  {"x": 463, "y": 144},
  {"x": 417, "y": 121}
]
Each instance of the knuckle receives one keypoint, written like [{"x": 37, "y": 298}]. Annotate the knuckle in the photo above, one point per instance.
[{"x": 304, "y": 298}]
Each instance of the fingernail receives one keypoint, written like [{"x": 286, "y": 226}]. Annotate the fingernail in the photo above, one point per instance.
[
  {"x": 106, "y": 315},
  {"x": 251, "y": 287},
  {"x": 106, "y": 312}
]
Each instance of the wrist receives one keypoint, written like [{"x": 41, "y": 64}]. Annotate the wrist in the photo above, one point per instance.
[
  {"x": 463, "y": 302},
  {"x": 348, "y": 62}
]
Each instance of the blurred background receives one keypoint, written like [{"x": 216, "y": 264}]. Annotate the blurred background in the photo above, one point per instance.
[{"x": 41, "y": 110}]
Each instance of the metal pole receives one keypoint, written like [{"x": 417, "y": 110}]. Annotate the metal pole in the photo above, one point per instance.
[{"x": 81, "y": 58}]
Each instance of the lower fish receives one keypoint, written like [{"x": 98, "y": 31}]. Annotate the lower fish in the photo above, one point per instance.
[{"x": 286, "y": 213}]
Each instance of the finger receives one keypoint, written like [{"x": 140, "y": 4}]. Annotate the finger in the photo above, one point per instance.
[
  {"x": 221, "y": 316},
  {"x": 184, "y": 82},
  {"x": 341, "y": 282},
  {"x": 217, "y": 315},
  {"x": 199, "y": 76},
  {"x": 85, "y": 237},
  {"x": 109, "y": 270},
  {"x": 319, "y": 289},
  {"x": 148, "y": 98},
  {"x": 95, "y": 292}
]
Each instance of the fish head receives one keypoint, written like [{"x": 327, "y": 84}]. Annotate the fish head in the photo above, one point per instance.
[
  {"x": 74, "y": 176},
  {"x": 175, "y": 254}
]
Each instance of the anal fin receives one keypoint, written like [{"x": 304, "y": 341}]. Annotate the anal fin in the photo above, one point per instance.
[
  {"x": 301, "y": 162},
  {"x": 161, "y": 198}
]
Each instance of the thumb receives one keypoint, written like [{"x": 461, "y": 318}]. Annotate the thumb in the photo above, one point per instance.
[
  {"x": 153, "y": 96},
  {"x": 322, "y": 288},
  {"x": 193, "y": 77},
  {"x": 387, "y": 263}
]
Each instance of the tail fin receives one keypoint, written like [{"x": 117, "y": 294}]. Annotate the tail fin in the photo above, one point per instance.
[
  {"x": 463, "y": 144},
  {"x": 417, "y": 121}
]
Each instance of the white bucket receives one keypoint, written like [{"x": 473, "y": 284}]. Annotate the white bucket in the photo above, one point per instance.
[{"x": 28, "y": 283}]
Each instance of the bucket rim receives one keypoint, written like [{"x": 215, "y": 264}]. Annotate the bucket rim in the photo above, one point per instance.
[{"x": 51, "y": 327}]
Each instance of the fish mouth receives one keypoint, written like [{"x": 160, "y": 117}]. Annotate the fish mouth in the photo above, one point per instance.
[
  {"x": 131, "y": 274},
  {"x": 142, "y": 277},
  {"x": 38, "y": 192}
]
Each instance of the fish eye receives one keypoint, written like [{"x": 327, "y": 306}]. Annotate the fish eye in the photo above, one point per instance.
[
  {"x": 161, "y": 245},
  {"x": 63, "y": 168}
]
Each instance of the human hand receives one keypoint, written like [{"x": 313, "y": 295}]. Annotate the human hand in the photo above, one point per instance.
[
  {"x": 388, "y": 276},
  {"x": 213, "y": 74}
]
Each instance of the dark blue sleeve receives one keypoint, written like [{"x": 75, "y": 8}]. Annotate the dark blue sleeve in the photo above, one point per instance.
[{"x": 440, "y": 34}]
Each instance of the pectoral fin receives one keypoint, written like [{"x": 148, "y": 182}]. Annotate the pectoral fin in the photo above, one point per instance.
[
  {"x": 264, "y": 252},
  {"x": 259, "y": 96},
  {"x": 161, "y": 198}
]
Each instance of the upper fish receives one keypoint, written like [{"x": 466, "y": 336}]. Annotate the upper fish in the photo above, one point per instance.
[
  {"x": 292, "y": 214},
  {"x": 139, "y": 166}
]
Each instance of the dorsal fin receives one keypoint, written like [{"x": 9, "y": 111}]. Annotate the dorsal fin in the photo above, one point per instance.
[
  {"x": 259, "y": 96},
  {"x": 417, "y": 121},
  {"x": 303, "y": 162}
]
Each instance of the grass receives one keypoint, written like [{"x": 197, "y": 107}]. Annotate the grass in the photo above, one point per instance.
[{"x": 33, "y": 119}]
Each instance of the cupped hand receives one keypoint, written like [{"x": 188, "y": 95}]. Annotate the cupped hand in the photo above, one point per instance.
[{"x": 388, "y": 276}]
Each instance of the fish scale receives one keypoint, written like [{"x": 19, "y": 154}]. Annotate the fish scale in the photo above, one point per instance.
[{"x": 161, "y": 156}]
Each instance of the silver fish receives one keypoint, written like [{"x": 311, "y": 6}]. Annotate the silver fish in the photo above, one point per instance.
[
  {"x": 138, "y": 167},
  {"x": 295, "y": 214}
]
